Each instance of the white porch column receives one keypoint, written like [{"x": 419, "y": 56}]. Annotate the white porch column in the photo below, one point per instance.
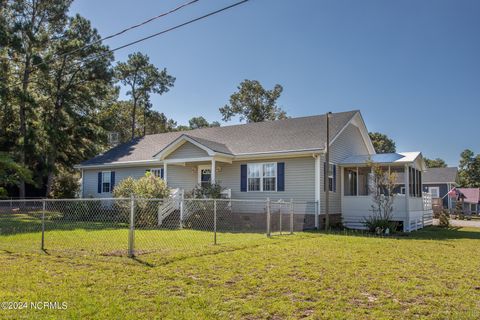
[
  {"x": 213, "y": 171},
  {"x": 317, "y": 190},
  {"x": 165, "y": 172},
  {"x": 406, "y": 179}
]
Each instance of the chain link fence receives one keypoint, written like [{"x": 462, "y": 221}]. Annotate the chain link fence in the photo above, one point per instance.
[{"x": 133, "y": 227}]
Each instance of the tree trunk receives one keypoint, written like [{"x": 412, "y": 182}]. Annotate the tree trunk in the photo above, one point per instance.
[
  {"x": 50, "y": 178},
  {"x": 134, "y": 112},
  {"x": 145, "y": 122},
  {"x": 23, "y": 122}
]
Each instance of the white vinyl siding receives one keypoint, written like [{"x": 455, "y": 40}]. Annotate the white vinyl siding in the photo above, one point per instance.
[
  {"x": 187, "y": 150},
  {"x": 348, "y": 143}
]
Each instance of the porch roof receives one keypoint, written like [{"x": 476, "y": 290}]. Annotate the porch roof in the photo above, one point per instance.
[{"x": 383, "y": 158}]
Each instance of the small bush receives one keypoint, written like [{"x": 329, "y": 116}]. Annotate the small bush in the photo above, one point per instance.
[
  {"x": 444, "y": 221},
  {"x": 146, "y": 187},
  {"x": 209, "y": 191},
  {"x": 65, "y": 185},
  {"x": 377, "y": 225}
]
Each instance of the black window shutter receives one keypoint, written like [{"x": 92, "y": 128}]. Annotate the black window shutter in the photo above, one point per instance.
[
  {"x": 161, "y": 173},
  {"x": 99, "y": 182},
  {"x": 243, "y": 178},
  {"x": 112, "y": 180},
  {"x": 280, "y": 176}
]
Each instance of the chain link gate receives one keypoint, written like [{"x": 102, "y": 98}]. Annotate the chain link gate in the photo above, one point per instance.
[{"x": 280, "y": 217}]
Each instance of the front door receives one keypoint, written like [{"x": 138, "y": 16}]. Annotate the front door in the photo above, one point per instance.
[{"x": 204, "y": 176}]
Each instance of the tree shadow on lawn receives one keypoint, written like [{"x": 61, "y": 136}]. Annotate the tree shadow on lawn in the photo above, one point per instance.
[{"x": 427, "y": 233}]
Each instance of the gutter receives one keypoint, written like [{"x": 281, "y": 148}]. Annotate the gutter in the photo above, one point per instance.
[{"x": 238, "y": 157}]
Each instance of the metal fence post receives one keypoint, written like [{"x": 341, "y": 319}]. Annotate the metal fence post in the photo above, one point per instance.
[
  {"x": 131, "y": 231},
  {"x": 291, "y": 216},
  {"x": 280, "y": 215},
  {"x": 268, "y": 217},
  {"x": 181, "y": 213},
  {"x": 43, "y": 225},
  {"x": 214, "y": 221}
]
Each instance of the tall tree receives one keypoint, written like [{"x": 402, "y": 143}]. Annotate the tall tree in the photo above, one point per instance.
[
  {"x": 435, "y": 163},
  {"x": 74, "y": 88},
  {"x": 382, "y": 143},
  {"x": 254, "y": 103},
  {"x": 142, "y": 78},
  {"x": 201, "y": 122},
  {"x": 34, "y": 26},
  {"x": 469, "y": 169},
  {"x": 11, "y": 173},
  {"x": 114, "y": 117}
]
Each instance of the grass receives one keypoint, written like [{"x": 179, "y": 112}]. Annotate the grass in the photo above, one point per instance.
[{"x": 432, "y": 273}]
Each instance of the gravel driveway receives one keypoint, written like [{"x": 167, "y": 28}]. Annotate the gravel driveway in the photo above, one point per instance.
[{"x": 461, "y": 223}]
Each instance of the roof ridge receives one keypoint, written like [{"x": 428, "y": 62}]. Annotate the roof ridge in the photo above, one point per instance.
[{"x": 253, "y": 123}]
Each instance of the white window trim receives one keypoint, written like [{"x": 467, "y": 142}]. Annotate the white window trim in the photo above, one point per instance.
[
  {"x": 261, "y": 176},
  {"x": 434, "y": 188},
  {"x": 109, "y": 182}
]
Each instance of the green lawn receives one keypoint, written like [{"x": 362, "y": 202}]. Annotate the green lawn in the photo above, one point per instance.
[{"x": 432, "y": 273}]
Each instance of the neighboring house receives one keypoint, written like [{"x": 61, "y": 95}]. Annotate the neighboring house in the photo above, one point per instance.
[
  {"x": 438, "y": 181},
  {"x": 471, "y": 200},
  {"x": 282, "y": 159}
]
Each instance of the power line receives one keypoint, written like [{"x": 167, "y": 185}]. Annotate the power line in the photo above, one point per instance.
[
  {"x": 156, "y": 34},
  {"x": 117, "y": 33}
]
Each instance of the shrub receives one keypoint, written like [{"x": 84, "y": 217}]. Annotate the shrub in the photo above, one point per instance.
[
  {"x": 379, "y": 225},
  {"x": 147, "y": 187},
  {"x": 65, "y": 185},
  {"x": 209, "y": 191},
  {"x": 444, "y": 222}
]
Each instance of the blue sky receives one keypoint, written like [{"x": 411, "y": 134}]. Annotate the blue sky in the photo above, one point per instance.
[{"x": 412, "y": 67}]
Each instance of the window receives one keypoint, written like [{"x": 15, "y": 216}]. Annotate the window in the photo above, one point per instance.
[
  {"x": 402, "y": 190},
  {"x": 330, "y": 177},
  {"x": 434, "y": 191},
  {"x": 157, "y": 172},
  {"x": 106, "y": 181},
  {"x": 269, "y": 176},
  {"x": 262, "y": 176}
]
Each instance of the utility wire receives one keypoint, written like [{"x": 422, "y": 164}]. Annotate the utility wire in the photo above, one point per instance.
[
  {"x": 155, "y": 34},
  {"x": 35, "y": 66},
  {"x": 119, "y": 33}
]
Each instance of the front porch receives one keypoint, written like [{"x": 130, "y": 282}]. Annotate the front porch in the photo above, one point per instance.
[{"x": 412, "y": 208}]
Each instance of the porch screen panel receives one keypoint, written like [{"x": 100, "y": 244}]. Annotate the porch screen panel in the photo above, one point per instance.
[{"x": 363, "y": 176}]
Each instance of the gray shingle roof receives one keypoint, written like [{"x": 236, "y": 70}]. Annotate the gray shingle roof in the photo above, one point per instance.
[
  {"x": 439, "y": 175},
  {"x": 292, "y": 134}
]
